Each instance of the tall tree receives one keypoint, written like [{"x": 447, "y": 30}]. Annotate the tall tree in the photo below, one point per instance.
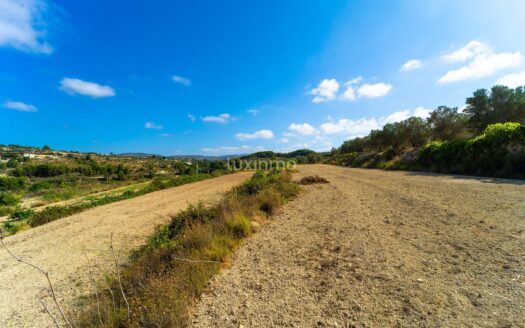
[{"x": 447, "y": 124}]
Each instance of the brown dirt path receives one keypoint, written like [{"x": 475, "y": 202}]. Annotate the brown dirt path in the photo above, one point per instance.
[
  {"x": 381, "y": 249},
  {"x": 58, "y": 247}
]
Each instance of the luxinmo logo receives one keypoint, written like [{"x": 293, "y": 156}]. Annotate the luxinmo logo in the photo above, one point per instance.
[{"x": 260, "y": 164}]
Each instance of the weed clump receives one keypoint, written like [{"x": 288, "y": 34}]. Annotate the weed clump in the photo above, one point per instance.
[{"x": 312, "y": 179}]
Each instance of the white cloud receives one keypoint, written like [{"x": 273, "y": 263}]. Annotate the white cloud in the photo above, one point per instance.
[
  {"x": 181, "y": 80},
  {"x": 374, "y": 90},
  {"x": 355, "y": 80},
  {"x": 226, "y": 150},
  {"x": 422, "y": 112},
  {"x": 283, "y": 140},
  {"x": 512, "y": 80},
  {"x": 166, "y": 135},
  {"x": 151, "y": 125},
  {"x": 395, "y": 117},
  {"x": 469, "y": 51},
  {"x": 326, "y": 91},
  {"x": 76, "y": 86},
  {"x": 21, "y": 25},
  {"x": 304, "y": 129},
  {"x": 363, "y": 126},
  {"x": 483, "y": 62},
  {"x": 19, "y": 106},
  {"x": 253, "y": 111},
  {"x": 192, "y": 117},
  {"x": 351, "y": 127},
  {"x": 222, "y": 118},
  {"x": 411, "y": 65},
  {"x": 349, "y": 93},
  {"x": 261, "y": 134}
]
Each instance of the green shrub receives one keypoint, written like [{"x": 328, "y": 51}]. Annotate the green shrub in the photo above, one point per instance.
[
  {"x": 53, "y": 213},
  {"x": 7, "y": 199},
  {"x": 12, "y": 183},
  {"x": 194, "y": 214},
  {"x": 486, "y": 154},
  {"x": 21, "y": 214},
  {"x": 6, "y": 210}
]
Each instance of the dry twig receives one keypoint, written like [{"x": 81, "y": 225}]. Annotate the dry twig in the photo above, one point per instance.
[
  {"x": 50, "y": 314},
  {"x": 45, "y": 273},
  {"x": 118, "y": 272},
  {"x": 94, "y": 287}
]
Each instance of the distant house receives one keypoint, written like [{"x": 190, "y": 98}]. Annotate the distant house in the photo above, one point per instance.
[{"x": 30, "y": 155}]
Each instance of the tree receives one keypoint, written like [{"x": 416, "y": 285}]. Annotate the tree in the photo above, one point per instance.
[
  {"x": 447, "y": 124},
  {"x": 46, "y": 148},
  {"x": 501, "y": 105},
  {"x": 412, "y": 132}
]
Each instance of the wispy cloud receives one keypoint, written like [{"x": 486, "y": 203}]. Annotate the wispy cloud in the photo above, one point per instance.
[
  {"x": 230, "y": 150},
  {"x": 253, "y": 111},
  {"x": 21, "y": 25},
  {"x": 85, "y": 88},
  {"x": 411, "y": 65},
  {"x": 166, "y": 135},
  {"x": 222, "y": 118},
  {"x": 19, "y": 106},
  {"x": 151, "y": 125},
  {"x": 261, "y": 134},
  {"x": 512, "y": 80},
  {"x": 481, "y": 61},
  {"x": 181, "y": 80},
  {"x": 192, "y": 117}
]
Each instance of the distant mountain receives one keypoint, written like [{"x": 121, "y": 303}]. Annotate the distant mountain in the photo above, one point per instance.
[
  {"x": 201, "y": 157},
  {"x": 196, "y": 157},
  {"x": 138, "y": 155}
]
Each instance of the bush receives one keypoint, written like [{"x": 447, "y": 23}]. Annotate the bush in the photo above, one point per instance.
[
  {"x": 7, "y": 199},
  {"x": 53, "y": 213},
  {"x": 12, "y": 183},
  {"x": 21, "y": 214},
  {"x": 269, "y": 200},
  {"x": 312, "y": 180},
  {"x": 487, "y": 154}
]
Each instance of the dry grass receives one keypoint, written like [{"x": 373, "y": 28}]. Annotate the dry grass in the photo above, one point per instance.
[
  {"x": 312, "y": 179},
  {"x": 166, "y": 276}
]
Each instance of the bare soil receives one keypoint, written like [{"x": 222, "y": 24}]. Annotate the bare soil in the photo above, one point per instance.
[
  {"x": 58, "y": 247},
  {"x": 380, "y": 249}
]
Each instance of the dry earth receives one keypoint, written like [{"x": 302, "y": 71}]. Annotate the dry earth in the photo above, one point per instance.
[
  {"x": 381, "y": 249},
  {"x": 59, "y": 247}
]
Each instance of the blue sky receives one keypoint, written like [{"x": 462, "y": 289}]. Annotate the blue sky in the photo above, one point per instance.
[{"x": 229, "y": 77}]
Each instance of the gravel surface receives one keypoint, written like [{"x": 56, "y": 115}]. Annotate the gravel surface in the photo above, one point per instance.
[
  {"x": 58, "y": 247},
  {"x": 380, "y": 249}
]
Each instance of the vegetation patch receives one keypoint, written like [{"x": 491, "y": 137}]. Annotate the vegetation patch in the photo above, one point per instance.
[
  {"x": 312, "y": 179},
  {"x": 166, "y": 275}
]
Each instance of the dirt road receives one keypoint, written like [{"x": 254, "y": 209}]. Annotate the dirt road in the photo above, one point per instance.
[
  {"x": 381, "y": 249},
  {"x": 58, "y": 247}
]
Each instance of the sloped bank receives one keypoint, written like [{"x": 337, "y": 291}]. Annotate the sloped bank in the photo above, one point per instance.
[{"x": 498, "y": 152}]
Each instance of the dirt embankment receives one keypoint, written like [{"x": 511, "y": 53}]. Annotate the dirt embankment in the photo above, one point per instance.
[
  {"x": 381, "y": 249},
  {"x": 59, "y": 247}
]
